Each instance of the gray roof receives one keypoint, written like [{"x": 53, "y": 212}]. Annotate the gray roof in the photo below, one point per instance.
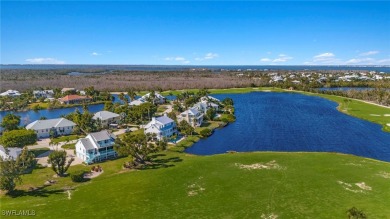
[
  {"x": 12, "y": 152},
  {"x": 102, "y": 135},
  {"x": 50, "y": 123},
  {"x": 87, "y": 143},
  {"x": 104, "y": 115},
  {"x": 193, "y": 111},
  {"x": 164, "y": 120}
]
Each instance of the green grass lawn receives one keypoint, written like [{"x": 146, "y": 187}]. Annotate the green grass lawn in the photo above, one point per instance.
[
  {"x": 69, "y": 137},
  {"x": 69, "y": 146},
  {"x": 41, "y": 105},
  {"x": 304, "y": 185},
  {"x": 39, "y": 151}
]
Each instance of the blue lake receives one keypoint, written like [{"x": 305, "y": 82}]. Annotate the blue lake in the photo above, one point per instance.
[
  {"x": 30, "y": 116},
  {"x": 294, "y": 122}
]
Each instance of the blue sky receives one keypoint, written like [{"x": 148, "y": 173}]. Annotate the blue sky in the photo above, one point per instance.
[{"x": 196, "y": 33}]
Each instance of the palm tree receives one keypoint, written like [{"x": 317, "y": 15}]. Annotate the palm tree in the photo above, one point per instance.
[{"x": 132, "y": 94}]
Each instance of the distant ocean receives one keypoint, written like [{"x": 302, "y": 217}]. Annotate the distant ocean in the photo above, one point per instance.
[{"x": 385, "y": 69}]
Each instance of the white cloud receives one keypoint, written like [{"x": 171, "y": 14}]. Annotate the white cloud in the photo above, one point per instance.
[
  {"x": 265, "y": 60},
  {"x": 177, "y": 59},
  {"x": 327, "y": 58},
  {"x": 44, "y": 61},
  {"x": 369, "y": 53},
  {"x": 95, "y": 54},
  {"x": 208, "y": 56},
  {"x": 384, "y": 61},
  {"x": 366, "y": 61},
  {"x": 280, "y": 58}
]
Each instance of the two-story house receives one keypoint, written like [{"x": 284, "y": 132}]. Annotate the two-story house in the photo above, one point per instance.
[
  {"x": 163, "y": 127},
  {"x": 97, "y": 146}
]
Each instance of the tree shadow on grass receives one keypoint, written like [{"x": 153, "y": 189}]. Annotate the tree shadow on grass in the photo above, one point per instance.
[
  {"x": 158, "y": 162},
  {"x": 37, "y": 192}
]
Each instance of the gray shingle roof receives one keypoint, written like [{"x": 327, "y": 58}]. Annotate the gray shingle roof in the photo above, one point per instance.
[
  {"x": 50, "y": 123},
  {"x": 12, "y": 152},
  {"x": 87, "y": 143},
  {"x": 104, "y": 115},
  {"x": 102, "y": 135}
]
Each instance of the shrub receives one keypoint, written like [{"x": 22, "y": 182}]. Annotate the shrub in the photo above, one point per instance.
[
  {"x": 18, "y": 138},
  {"x": 205, "y": 132},
  {"x": 77, "y": 176},
  {"x": 225, "y": 120}
]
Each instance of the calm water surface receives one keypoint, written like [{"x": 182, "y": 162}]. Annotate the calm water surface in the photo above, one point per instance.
[{"x": 294, "y": 122}]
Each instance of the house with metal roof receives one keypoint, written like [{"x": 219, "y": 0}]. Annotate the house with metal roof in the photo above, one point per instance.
[
  {"x": 162, "y": 127},
  {"x": 97, "y": 146},
  {"x": 192, "y": 116},
  {"x": 10, "y": 153},
  {"x": 60, "y": 126},
  {"x": 106, "y": 118}
]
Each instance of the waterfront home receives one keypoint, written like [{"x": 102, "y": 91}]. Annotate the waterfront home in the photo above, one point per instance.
[
  {"x": 106, "y": 118},
  {"x": 163, "y": 127},
  {"x": 192, "y": 117},
  {"x": 43, "y": 93},
  {"x": 74, "y": 99},
  {"x": 204, "y": 106},
  {"x": 97, "y": 146},
  {"x": 66, "y": 89},
  {"x": 10, "y": 153},
  {"x": 209, "y": 99},
  {"x": 11, "y": 93},
  {"x": 60, "y": 126},
  {"x": 158, "y": 98}
]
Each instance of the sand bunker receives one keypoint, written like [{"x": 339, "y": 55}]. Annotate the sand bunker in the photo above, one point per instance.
[
  {"x": 363, "y": 186},
  {"x": 384, "y": 174},
  {"x": 258, "y": 166},
  {"x": 374, "y": 115},
  {"x": 388, "y": 124},
  {"x": 269, "y": 216},
  {"x": 386, "y": 115},
  {"x": 356, "y": 188}
]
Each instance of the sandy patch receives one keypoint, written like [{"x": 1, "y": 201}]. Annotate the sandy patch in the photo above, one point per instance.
[
  {"x": 93, "y": 174},
  {"x": 353, "y": 164},
  {"x": 356, "y": 188},
  {"x": 363, "y": 186},
  {"x": 256, "y": 88},
  {"x": 69, "y": 195},
  {"x": 195, "y": 188},
  {"x": 384, "y": 174},
  {"x": 269, "y": 216},
  {"x": 267, "y": 91},
  {"x": 258, "y": 166},
  {"x": 386, "y": 114},
  {"x": 374, "y": 115},
  {"x": 388, "y": 124}
]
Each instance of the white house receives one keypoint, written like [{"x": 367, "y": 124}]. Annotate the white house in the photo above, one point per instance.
[
  {"x": 106, "y": 118},
  {"x": 9, "y": 153},
  {"x": 163, "y": 127},
  {"x": 137, "y": 102},
  {"x": 60, "y": 126},
  {"x": 96, "y": 147},
  {"x": 158, "y": 99},
  {"x": 43, "y": 93},
  {"x": 65, "y": 89},
  {"x": 192, "y": 116},
  {"x": 11, "y": 93}
]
